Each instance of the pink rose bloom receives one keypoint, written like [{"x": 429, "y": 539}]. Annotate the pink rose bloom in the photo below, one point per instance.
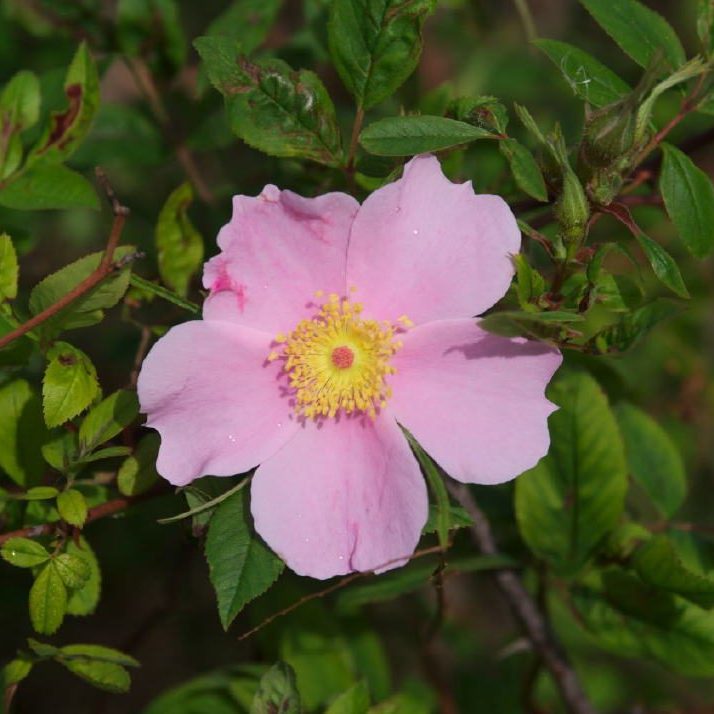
[{"x": 328, "y": 325}]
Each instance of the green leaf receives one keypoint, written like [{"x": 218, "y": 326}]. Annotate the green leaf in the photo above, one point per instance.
[
  {"x": 705, "y": 23},
  {"x": 48, "y": 600},
  {"x": 68, "y": 128},
  {"x": 241, "y": 566},
  {"x": 111, "y": 452},
  {"x": 138, "y": 472},
  {"x": 107, "y": 419},
  {"x": 179, "y": 244},
  {"x": 438, "y": 489},
  {"x": 73, "y": 570},
  {"x": 8, "y": 268},
  {"x": 204, "y": 502},
  {"x": 39, "y": 493},
  {"x": 48, "y": 186},
  {"x": 633, "y": 326},
  {"x": 568, "y": 503},
  {"x": 354, "y": 701},
  {"x": 97, "y": 653},
  {"x": 589, "y": 79},
  {"x": 663, "y": 265},
  {"x": 524, "y": 168},
  {"x": 84, "y": 600},
  {"x": 681, "y": 639},
  {"x": 277, "y": 692},
  {"x": 512, "y": 323},
  {"x": 61, "y": 452},
  {"x": 72, "y": 507},
  {"x": 482, "y": 111},
  {"x": 15, "y": 671},
  {"x": 42, "y": 649},
  {"x": 653, "y": 459},
  {"x": 246, "y": 22},
  {"x": 375, "y": 44},
  {"x": 271, "y": 107},
  {"x": 640, "y": 32},
  {"x": 70, "y": 384},
  {"x": 658, "y": 564},
  {"x": 22, "y": 433},
  {"x": 103, "y": 675},
  {"x": 458, "y": 518},
  {"x": 24, "y": 553},
  {"x": 689, "y": 198},
  {"x": 20, "y": 102},
  {"x": 406, "y": 136}
]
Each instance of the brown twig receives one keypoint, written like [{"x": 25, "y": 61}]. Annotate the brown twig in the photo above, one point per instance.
[
  {"x": 106, "y": 266},
  {"x": 525, "y": 610},
  {"x": 141, "y": 351},
  {"x": 332, "y": 588},
  {"x": 145, "y": 82}
]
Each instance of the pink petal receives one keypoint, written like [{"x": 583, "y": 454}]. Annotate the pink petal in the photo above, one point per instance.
[
  {"x": 473, "y": 400},
  {"x": 277, "y": 251},
  {"x": 341, "y": 496},
  {"x": 217, "y": 404},
  {"x": 430, "y": 249}
]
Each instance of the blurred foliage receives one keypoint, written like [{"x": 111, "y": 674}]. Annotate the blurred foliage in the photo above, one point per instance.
[{"x": 605, "y": 156}]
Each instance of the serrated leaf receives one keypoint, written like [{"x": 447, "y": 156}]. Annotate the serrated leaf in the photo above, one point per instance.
[
  {"x": 277, "y": 692},
  {"x": 458, "y": 518},
  {"x": 97, "y": 653},
  {"x": 24, "y": 553},
  {"x": 354, "y": 701},
  {"x": 20, "y": 103},
  {"x": 68, "y": 128},
  {"x": 241, "y": 566},
  {"x": 87, "y": 309},
  {"x": 524, "y": 168},
  {"x": 179, "y": 244},
  {"x": 663, "y": 265},
  {"x": 84, "y": 600},
  {"x": 107, "y": 419},
  {"x": 568, "y": 503},
  {"x": 375, "y": 44},
  {"x": 271, "y": 107},
  {"x": 591, "y": 80},
  {"x": 138, "y": 474},
  {"x": 72, "y": 507},
  {"x": 682, "y": 642},
  {"x": 9, "y": 270},
  {"x": 689, "y": 199},
  {"x": 15, "y": 671},
  {"x": 639, "y": 31},
  {"x": 73, "y": 570},
  {"x": 658, "y": 564},
  {"x": 634, "y": 325},
  {"x": 103, "y": 675},
  {"x": 152, "y": 289},
  {"x": 48, "y": 600},
  {"x": 61, "y": 451},
  {"x": 513, "y": 323},
  {"x": 406, "y": 136},
  {"x": 653, "y": 459},
  {"x": 39, "y": 493},
  {"x": 22, "y": 433},
  {"x": 70, "y": 384},
  {"x": 45, "y": 186}
]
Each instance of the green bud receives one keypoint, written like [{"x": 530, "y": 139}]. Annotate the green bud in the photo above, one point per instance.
[
  {"x": 572, "y": 209},
  {"x": 609, "y": 134}
]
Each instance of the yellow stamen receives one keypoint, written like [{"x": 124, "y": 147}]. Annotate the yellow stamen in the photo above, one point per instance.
[{"x": 339, "y": 361}]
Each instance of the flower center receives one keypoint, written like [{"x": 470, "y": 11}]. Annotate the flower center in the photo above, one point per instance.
[
  {"x": 338, "y": 360},
  {"x": 343, "y": 357}
]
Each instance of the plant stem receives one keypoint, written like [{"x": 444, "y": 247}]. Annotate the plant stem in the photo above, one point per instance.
[
  {"x": 525, "y": 610},
  {"x": 103, "y": 270},
  {"x": 527, "y": 19}
]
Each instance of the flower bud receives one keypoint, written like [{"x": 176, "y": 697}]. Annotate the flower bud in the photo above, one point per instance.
[{"x": 572, "y": 208}]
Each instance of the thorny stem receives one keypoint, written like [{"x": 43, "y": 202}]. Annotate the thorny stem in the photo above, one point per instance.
[
  {"x": 103, "y": 270},
  {"x": 526, "y": 611},
  {"x": 109, "y": 508}
]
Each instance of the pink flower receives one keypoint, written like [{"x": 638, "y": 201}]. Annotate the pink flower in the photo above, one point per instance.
[{"x": 328, "y": 325}]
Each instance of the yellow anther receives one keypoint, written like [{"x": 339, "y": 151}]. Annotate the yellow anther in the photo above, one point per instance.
[{"x": 338, "y": 361}]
